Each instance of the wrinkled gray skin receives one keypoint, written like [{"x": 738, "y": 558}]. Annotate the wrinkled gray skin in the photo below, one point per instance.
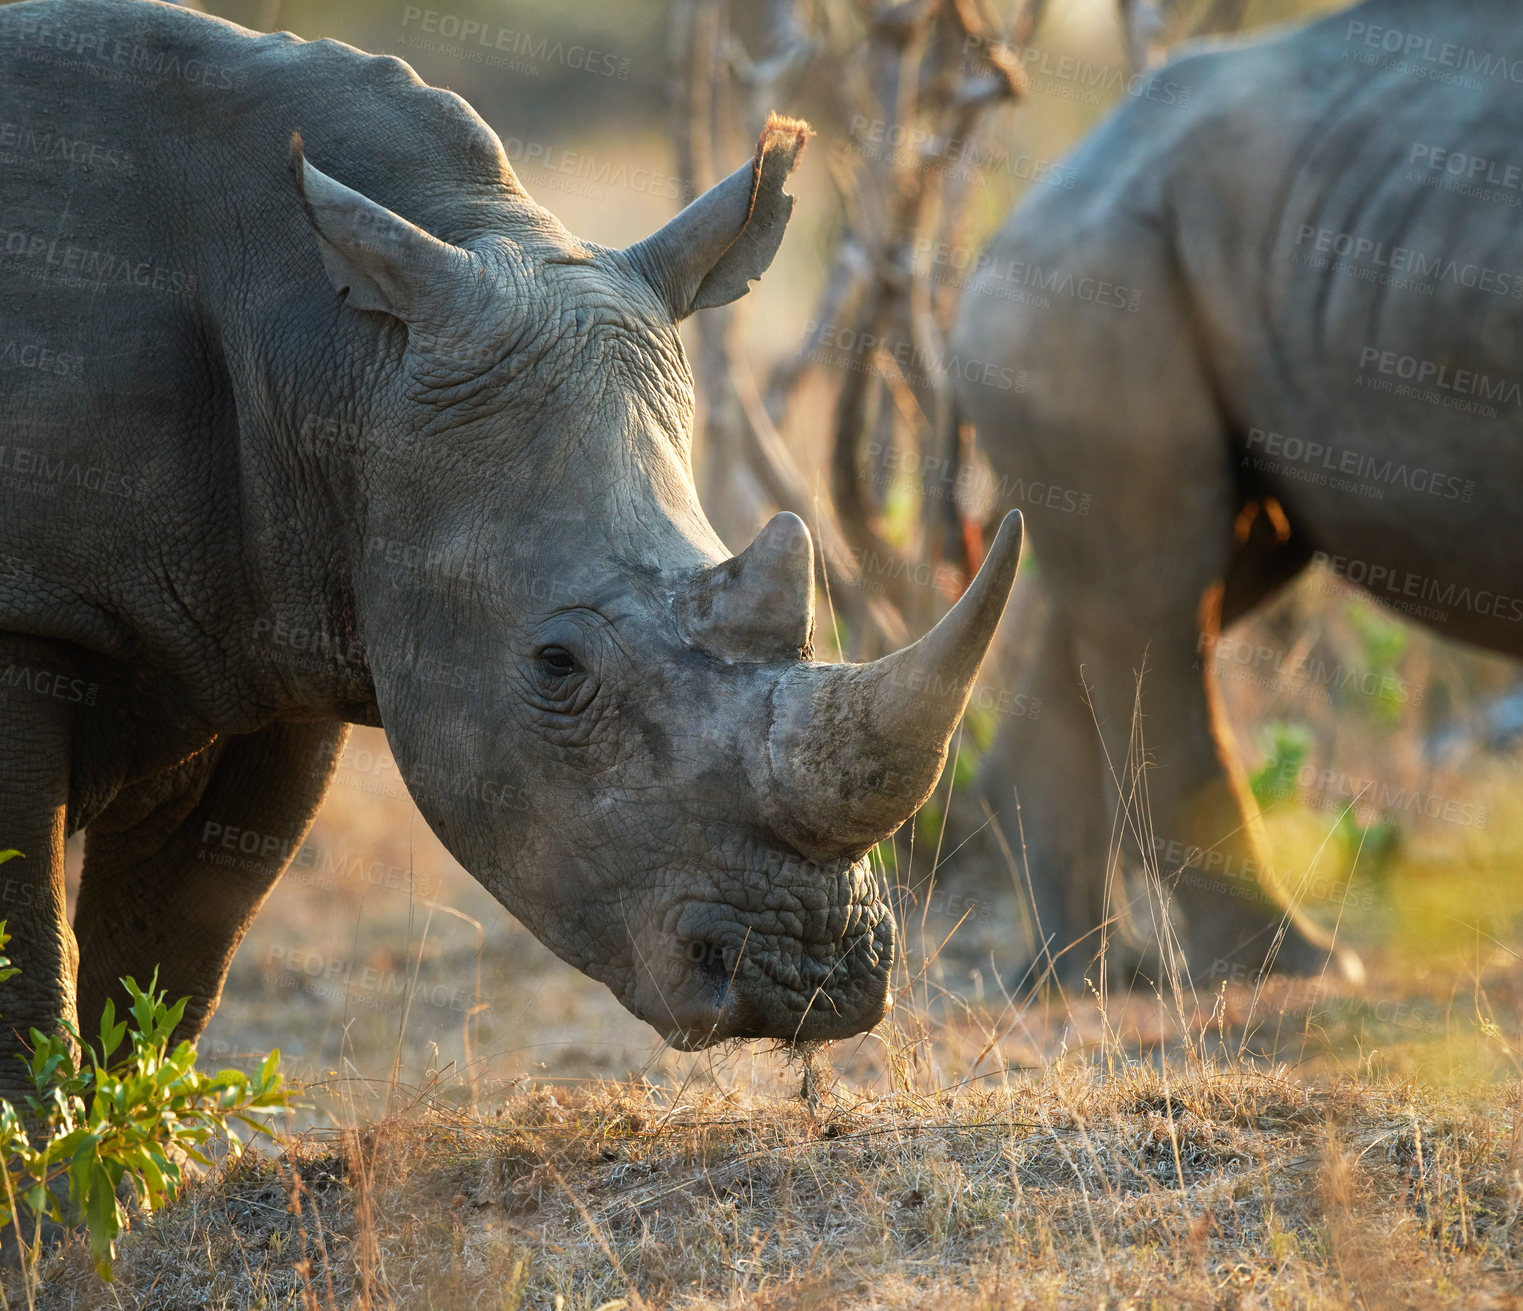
[
  {"x": 308, "y": 464},
  {"x": 1198, "y": 212}
]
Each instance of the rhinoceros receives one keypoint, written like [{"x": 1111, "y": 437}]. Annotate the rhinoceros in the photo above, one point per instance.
[
  {"x": 1274, "y": 316},
  {"x": 342, "y": 427}
]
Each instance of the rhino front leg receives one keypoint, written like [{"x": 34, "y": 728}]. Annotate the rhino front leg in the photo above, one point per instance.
[
  {"x": 36, "y": 737},
  {"x": 161, "y": 891}
]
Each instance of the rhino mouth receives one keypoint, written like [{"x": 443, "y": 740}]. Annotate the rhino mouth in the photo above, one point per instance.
[{"x": 786, "y": 975}]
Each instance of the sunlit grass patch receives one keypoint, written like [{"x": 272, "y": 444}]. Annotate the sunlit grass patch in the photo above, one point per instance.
[{"x": 1188, "y": 1183}]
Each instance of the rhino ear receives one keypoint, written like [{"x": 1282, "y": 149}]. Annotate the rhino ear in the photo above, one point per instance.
[
  {"x": 711, "y": 252},
  {"x": 378, "y": 258}
]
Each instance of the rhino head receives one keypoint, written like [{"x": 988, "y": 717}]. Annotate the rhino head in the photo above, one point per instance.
[{"x": 616, "y": 727}]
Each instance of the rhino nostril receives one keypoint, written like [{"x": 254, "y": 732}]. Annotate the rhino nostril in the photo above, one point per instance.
[{"x": 708, "y": 960}]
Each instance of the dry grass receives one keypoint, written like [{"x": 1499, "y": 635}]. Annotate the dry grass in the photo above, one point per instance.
[
  {"x": 1189, "y": 1184},
  {"x": 1299, "y": 1145},
  {"x": 1290, "y": 1146}
]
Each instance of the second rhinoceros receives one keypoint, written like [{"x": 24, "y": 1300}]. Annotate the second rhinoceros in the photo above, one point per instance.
[
  {"x": 357, "y": 432},
  {"x": 1271, "y": 322}
]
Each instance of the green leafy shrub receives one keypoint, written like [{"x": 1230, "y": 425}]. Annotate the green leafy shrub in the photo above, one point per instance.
[
  {"x": 1289, "y": 745},
  {"x": 1383, "y": 642},
  {"x": 121, "y": 1109}
]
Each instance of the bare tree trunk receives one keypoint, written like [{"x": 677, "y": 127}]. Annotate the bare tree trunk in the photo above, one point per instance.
[{"x": 746, "y": 465}]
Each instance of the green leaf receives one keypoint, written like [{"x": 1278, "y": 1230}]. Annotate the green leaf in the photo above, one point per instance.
[
  {"x": 142, "y": 1004},
  {"x": 111, "y": 1031},
  {"x": 103, "y": 1218}
]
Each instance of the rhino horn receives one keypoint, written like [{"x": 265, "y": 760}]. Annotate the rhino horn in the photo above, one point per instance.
[
  {"x": 854, "y": 750},
  {"x": 715, "y": 248},
  {"x": 758, "y": 605}
]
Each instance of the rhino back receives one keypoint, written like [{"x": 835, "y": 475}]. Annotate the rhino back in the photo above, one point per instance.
[{"x": 1307, "y": 224}]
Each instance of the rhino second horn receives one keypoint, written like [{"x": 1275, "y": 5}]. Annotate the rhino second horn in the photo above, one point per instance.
[
  {"x": 854, "y": 750},
  {"x": 760, "y": 604}
]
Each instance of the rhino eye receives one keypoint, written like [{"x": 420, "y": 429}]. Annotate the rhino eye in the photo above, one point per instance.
[{"x": 556, "y": 662}]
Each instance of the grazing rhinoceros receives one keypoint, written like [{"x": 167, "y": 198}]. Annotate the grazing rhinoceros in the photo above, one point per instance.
[
  {"x": 370, "y": 437},
  {"x": 1277, "y": 320}
]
